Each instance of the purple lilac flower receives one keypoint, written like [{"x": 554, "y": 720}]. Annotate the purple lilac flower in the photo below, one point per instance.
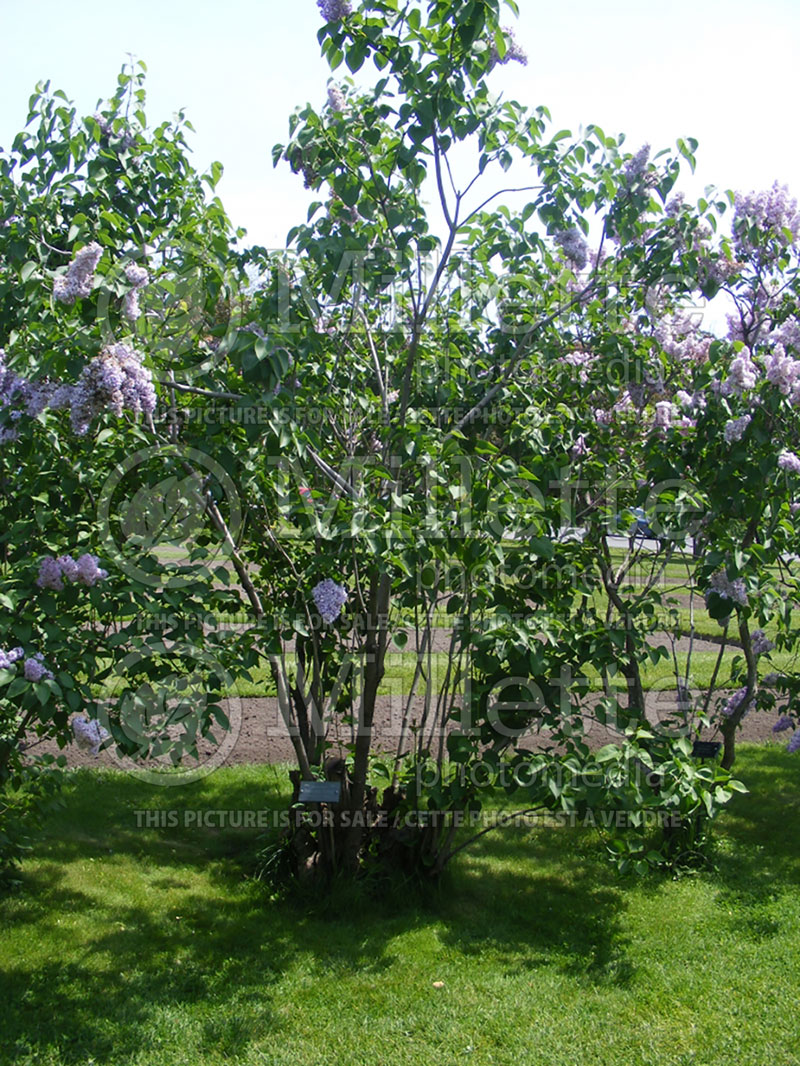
[
  {"x": 734, "y": 430},
  {"x": 582, "y": 361},
  {"x": 336, "y": 100},
  {"x": 782, "y": 370},
  {"x": 10, "y": 383},
  {"x": 88, "y": 572},
  {"x": 783, "y": 723},
  {"x": 79, "y": 278},
  {"x": 794, "y": 742},
  {"x": 789, "y": 461},
  {"x": 637, "y": 165},
  {"x": 115, "y": 379},
  {"x": 735, "y": 702},
  {"x": 137, "y": 276},
  {"x": 34, "y": 668},
  {"x": 334, "y": 10},
  {"x": 729, "y": 590},
  {"x": 89, "y": 734},
  {"x": 329, "y": 598},
  {"x": 772, "y": 212},
  {"x": 85, "y": 571},
  {"x": 675, "y": 205},
  {"x": 8, "y": 658},
  {"x": 573, "y": 245},
  {"x": 579, "y": 448},
  {"x": 760, "y": 642},
  {"x": 680, "y": 339},
  {"x": 514, "y": 51},
  {"x": 50, "y": 574},
  {"x": 69, "y": 568},
  {"x": 743, "y": 373}
]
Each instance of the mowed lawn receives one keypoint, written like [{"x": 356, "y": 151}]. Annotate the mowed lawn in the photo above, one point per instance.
[{"x": 134, "y": 945}]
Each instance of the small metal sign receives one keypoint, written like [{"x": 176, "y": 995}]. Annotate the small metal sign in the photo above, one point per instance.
[
  {"x": 320, "y": 791},
  {"x": 706, "y": 749}
]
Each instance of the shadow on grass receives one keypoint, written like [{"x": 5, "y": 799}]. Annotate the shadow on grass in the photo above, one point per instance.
[
  {"x": 542, "y": 897},
  {"x": 224, "y": 951},
  {"x": 191, "y": 933},
  {"x": 756, "y": 856}
]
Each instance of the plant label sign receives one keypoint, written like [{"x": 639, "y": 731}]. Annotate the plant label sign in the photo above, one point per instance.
[
  {"x": 320, "y": 791},
  {"x": 706, "y": 749}
]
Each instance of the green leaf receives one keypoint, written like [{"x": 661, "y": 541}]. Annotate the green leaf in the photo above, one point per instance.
[{"x": 542, "y": 547}]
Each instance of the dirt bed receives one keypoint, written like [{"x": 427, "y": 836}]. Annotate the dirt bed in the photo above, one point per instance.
[{"x": 258, "y": 734}]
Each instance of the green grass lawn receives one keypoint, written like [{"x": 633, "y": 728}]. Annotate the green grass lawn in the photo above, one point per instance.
[
  {"x": 144, "y": 946},
  {"x": 658, "y": 676}
]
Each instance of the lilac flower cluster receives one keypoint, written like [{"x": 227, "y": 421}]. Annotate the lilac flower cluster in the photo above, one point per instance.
[
  {"x": 718, "y": 268},
  {"x": 734, "y": 430},
  {"x": 8, "y": 658},
  {"x": 115, "y": 379},
  {"x": 772, "y": 212},
  {"x": 336, "y": 100},
  {"x": 334, "y": 10},
  {"x": 329, "y": 599},
  {"x": 783, "y": 372},
  {"x": 85, "y": 571},
  {"x": 579, "y": 448},
  {"x": 680, "y": 339},
  {"x": 10, "y": 386},
  {"x": 691, "y": 401},
  {"x": 675, "y": 205},
  {"x": 572, "y": 243},
  {"x": 729, "y": 590},
  {"x": 34, "y": 668},
  {"x": 735, "y": 702},
  {"x": 514, "y": 51},
  {"x": 783, "y": 723},
  {"x": 137, "y": 276},
  {"x": 636, "y": 165},
  {"x": 787, "y": 334},
  {"x": 760, "y": 642},
  {"x": 790, "y": 462},
  {"x": 20, "y": 395},
  {"x": 79, "y": 278},
  {"x": 582, "y": 361},
  {"x": 103, "y": 123},
  {"x": 89, "y": 734},
  {"x": 743, "y": 375},
  {"x": 794, "y": 742}
]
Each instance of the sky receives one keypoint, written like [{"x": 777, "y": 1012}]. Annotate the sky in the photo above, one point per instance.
[{"x": 722, "y": 72}]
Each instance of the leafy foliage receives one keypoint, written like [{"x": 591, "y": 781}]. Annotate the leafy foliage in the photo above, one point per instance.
[{"x": 418, "y": 405}]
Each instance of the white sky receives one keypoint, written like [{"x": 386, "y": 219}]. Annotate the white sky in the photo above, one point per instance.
[{"x": 723, "y": 72}]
